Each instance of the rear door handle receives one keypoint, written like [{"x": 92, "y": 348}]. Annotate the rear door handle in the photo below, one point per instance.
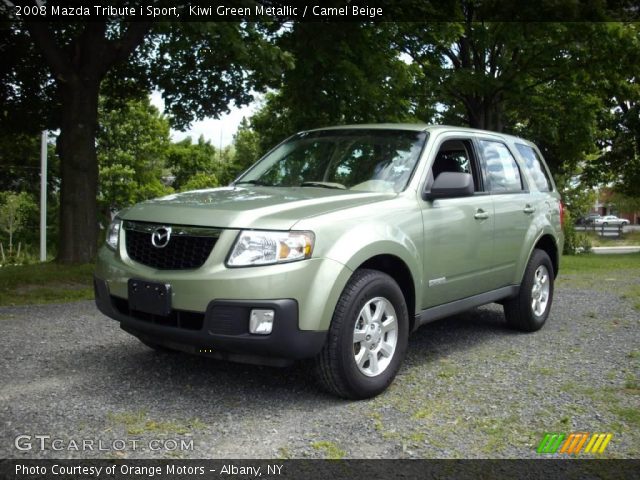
[
  {"x": 529, "y": 209},
  {"x": 481, "y": 214}
]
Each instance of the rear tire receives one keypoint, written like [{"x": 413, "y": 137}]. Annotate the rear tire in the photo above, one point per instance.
[
  {"x": 367, "y": 339},
  {"x": 528, "y": 311}
]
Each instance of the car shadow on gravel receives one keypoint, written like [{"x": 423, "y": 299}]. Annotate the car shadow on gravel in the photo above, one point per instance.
[{"x": 131, "y": 370}]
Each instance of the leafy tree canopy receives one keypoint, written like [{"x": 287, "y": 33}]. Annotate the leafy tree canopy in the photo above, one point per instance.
[
  {"x": 187, "y": 159},
  {"x": 132, "y": 145},
  {"x": 53, "y": 73}
]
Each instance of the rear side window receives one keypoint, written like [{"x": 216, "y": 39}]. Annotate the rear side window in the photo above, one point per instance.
[
  {"x": 502, "y": 170},
  {"x": 533, "y": 164}
]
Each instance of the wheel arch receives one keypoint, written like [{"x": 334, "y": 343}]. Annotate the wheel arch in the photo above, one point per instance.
[
  {"x": 397, "y": 269},
  {"x": 548, "y": 244}
]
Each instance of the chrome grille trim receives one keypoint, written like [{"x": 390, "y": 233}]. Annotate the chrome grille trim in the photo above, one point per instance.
[{"x": 184, "y": 230}]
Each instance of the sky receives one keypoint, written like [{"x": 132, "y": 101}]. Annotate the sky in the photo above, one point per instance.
[{"x": 219, "y": 132}]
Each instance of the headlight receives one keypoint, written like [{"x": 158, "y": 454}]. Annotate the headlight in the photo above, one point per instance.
[
  {"x": 113, "y": 233},
  {"x": 266, "y": 248}
]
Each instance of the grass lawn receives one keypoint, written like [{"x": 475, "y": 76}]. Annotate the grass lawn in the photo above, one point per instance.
[
  {"x": 592, "y": 263},
  {"x": 45, "y": 283}
]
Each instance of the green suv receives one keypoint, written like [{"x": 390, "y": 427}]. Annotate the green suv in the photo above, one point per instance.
[{"x": 335, "y": 246}]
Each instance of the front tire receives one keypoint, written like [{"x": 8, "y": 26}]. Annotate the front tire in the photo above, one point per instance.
[
  {"x": 367, "y": 339},
  {"x": 529, "y": 310}
]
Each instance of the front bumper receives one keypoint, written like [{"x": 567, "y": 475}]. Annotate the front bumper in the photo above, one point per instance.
[
  {"x": 222, "y": 331},
  {"x": 315, "y": 284}
]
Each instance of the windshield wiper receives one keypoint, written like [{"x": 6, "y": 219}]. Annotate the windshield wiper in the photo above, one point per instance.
[
  {"x": 260, "y": 183},
  {"x": 338, "y": 186}
]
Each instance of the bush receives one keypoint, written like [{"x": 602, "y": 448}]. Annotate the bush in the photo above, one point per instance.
[
  {"x": 583, "y": 243},
  {"x": 574, "y": 242}
]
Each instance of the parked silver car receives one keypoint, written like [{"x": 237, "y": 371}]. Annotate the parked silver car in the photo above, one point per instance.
[{"x": 610, "y": 220}]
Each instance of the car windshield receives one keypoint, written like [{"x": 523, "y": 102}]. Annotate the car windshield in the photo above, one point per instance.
[{"x": 354, "y": 159}]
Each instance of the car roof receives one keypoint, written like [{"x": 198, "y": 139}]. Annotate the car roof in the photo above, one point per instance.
[{"x": 416, "y": 127}]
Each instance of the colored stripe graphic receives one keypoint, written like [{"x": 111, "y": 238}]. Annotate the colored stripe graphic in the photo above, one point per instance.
[
  {"x": 598, "y": 443},
  {"x": 574, "y": 443},
  {"x": 550, "y": 442},
  {"x": 595, "y": 443}
]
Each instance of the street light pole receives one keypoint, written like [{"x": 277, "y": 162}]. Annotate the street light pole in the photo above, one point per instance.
[{"x": 43, "y": 197}]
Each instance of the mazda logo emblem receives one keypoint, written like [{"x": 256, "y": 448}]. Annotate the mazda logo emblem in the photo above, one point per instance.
[{"x": 160, "y": 237}]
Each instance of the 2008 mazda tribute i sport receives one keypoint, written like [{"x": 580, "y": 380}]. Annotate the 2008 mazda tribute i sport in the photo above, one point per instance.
[{"x": 335, "y": 246}]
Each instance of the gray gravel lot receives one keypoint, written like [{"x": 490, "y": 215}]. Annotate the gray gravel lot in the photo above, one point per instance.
[{"x": 469, "y": 388}]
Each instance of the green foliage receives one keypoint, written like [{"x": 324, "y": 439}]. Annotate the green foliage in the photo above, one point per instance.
[
  {"x": 340, "y": 76},
  {"x": 188, "y": 160},
  {"x": 531, "y": 79},
  {"x": 619, "y": 116},
  {"x": 52, "y": 74},
  {"x": 574, "y": 242},
  {"x": 20, "y": 172},
  {"x": 577, "y": 198},
  {"x": 132, "y": 147},
  {"x": 624, "y": 203},
  {"x": 20, "y": 163},
  {"x": 199, "y": 181},
  {"x": 247, "y": 150},
  {"x": 200, "y": 67},
  {"x": 15, "y": 209}
]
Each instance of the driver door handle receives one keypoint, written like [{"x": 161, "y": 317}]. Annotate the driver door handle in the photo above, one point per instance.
[{"x": 481, "y": 214}]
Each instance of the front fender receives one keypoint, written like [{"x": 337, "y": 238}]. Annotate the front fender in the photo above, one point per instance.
[{"x": 352, "y": 251}]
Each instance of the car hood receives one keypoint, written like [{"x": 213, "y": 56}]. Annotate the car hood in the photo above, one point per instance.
[{"x": 277, "y": 208}]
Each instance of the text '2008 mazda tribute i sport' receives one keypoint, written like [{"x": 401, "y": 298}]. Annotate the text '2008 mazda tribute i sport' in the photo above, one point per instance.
[{"x": 335, "y": 246}]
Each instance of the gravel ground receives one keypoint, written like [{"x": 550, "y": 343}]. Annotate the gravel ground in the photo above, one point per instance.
[{"x": 469, "y": 388}]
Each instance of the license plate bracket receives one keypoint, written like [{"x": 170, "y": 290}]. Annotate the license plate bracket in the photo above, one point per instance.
[{"x": 149, "y": 297}]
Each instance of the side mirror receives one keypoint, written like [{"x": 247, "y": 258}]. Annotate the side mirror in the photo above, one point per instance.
[{"x": 449, "y": 185}]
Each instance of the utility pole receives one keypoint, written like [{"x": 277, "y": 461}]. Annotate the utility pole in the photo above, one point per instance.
[{"x": 43, "y": 197}]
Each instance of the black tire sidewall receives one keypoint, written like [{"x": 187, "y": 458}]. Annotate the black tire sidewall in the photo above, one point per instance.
[
  {"x": 378, "y": 285},
  {"x": 537, "y": 259}
]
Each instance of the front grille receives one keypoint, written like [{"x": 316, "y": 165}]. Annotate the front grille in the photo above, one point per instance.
[
  {"x": 187, "y": 248},
  {"x": 177, "y": 318}
]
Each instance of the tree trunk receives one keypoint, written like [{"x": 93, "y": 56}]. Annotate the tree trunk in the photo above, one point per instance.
[
  {"x": 485, "y": 114},
  {"x": 79, "y": 171},
  {"x": 79, "y": 68}
]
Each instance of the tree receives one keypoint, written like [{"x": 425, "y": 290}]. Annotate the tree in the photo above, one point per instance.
[
  {"x": 479, "y": 70},
  {"x": 13, "y": 211},
  {"x": 79, "y": 61},
  {"x": 618, "y": 162},
  {"x": 624, "y": 203},
  {"x": 187, "y": 160},
  {"x": 199, "y": 67},
  {"x": 247, "y": 151},
  {"x": 200, "y": 180},
  {"x": 132, "y": 146},
  {"x": 343, "y": 73},
  {"x": 20, "y": 163}
]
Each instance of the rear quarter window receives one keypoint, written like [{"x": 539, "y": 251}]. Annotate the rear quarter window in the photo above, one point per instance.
[{"x": 534, "y": 166}]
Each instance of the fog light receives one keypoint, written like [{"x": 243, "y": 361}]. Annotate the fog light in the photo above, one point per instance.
[{"x": 261, "y": 321}]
